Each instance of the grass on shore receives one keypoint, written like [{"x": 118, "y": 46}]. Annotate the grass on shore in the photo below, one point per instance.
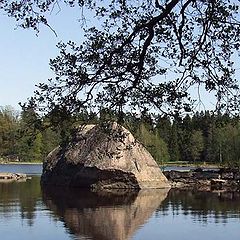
[
  {"x": 22, "y": 163},
  {"x": 188, "y": 164}
]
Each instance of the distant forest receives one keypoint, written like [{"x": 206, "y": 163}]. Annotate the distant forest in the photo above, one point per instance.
[{"x": 205, "y": 137}]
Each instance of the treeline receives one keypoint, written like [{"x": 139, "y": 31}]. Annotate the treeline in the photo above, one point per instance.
[
  {"x": 21, "y": 139},
  {"x": 204, "y": 137}
]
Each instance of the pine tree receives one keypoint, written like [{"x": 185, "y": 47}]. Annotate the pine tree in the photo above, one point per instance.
[{"x": 196, "y": 145}]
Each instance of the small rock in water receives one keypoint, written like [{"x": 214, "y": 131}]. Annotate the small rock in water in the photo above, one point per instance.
[{"x": 13, "y": 176}]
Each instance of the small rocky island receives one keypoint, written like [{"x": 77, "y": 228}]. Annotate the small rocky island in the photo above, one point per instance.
[
  {"x": 103, "y": 157},
  {"x": 6, "y": 176},
  {"x": 224, "y": 179}
]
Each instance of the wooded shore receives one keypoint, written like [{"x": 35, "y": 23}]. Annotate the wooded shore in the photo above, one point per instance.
[
  {"x": 204, "y": 137},
  {"x": 20, "y": 163}
]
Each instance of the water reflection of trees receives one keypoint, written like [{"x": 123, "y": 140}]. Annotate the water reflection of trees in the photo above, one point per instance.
[
  {"x": 202, "y": 206},
  {"x": 20, "y": 197},
  {"x": 103, "y": 215}
]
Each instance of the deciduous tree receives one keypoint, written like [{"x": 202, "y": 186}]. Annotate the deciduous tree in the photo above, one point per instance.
[{"x": 145, "y": 54}]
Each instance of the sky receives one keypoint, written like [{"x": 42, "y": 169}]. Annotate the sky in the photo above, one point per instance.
[{"x": 24, "y": 56}]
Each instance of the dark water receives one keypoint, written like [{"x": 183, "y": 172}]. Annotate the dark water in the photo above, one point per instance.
[{"x": 29, "y": 212}]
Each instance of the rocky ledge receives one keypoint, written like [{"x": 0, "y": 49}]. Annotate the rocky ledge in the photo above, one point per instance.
[
  {"x": 222, "y": 179},
  {"x": 12, "y": 177},
  {"x": 101, "y": 157}
]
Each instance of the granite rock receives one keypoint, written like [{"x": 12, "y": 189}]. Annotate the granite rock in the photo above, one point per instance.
[{"x": 103, "y": 157}]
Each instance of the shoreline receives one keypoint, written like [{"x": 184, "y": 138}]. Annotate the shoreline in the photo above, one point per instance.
[
  {"x": 9, "y": 177},
  {"x": 21, "y": 163},
  {"x": 223, "y": 179},
  {"x": 189, "y": 165}
]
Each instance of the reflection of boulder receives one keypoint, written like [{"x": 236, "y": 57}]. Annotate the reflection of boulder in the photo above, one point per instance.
[
  {"x": 103, "y": 216},
  {"x": 103, "y": 158}
]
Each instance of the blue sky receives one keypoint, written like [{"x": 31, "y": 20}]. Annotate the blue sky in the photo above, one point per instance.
[{"x": 24, "y": 59}]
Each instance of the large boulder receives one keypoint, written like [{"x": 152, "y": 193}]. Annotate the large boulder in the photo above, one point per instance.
[{"x": 101, "y": 157}]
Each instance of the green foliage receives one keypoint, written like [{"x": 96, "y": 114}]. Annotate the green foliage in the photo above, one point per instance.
[
  {"x": 204, "y": 137},
  {"x": 173, "y": 145},
  {"x": 152, "y": 141},
  {"x": 50, "y": 139},
  {"x": 8, "y": 131},
  {"x": 22, "y": 137},
  {"x": 168, "y": 133},
  {"x": 196, "y": 145},
  {"x": 37, "y": 148},
  {"x": 228, "y": 144}
]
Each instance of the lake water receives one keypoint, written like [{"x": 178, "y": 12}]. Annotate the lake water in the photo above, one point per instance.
[
  {"x": 29, "y": 212},
  {"x": 30, "y": 169}
]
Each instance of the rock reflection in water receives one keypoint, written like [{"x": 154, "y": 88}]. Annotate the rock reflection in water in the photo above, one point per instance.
[{"x": 103, "y": 215}]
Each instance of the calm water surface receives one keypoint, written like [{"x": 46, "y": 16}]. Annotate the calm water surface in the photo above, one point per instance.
[
  {"x": 29, "y": 212},
  {"x": 30, "y": 169}
]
